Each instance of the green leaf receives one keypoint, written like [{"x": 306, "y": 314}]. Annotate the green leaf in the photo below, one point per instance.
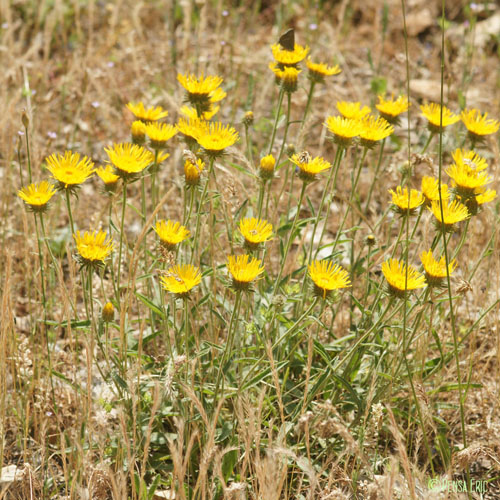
[{"x": 147, "y": 302}]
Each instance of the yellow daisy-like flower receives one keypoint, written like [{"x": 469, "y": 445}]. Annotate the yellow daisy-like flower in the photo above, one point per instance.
[
  {"x": 453, "y": 212},
  {"x": 216, "y": 137},
  {"x": 289, "y": 57},
  {"x": 390, "y": 109},
  {"x": 467, "y": 180},
  {"x": 435, "y": 271},
  {"x": 309, "y": 167},
  {"x": 202, "y": 91},
  {"x": 352, "y": 110},
  {"x": 344, "y": 130},
  {"x": 93, "y": 247},
  {"x": 147, "y": 115},
  {"x": 129, "y": 160},
  {"x": 138, "y": 132},
  {"x": 69, "y": 170},
  {"x": 267, "y": 164},
  {"x": 108, "y": 176},
  {"x": 192, "y": 128},
  {"x": 373, "y": 130},
  {"x": 171, "y": 233},
  {"x": 181, "y": 279},
  {"x": 318, "y": 71},
  {"x": 430, "y": 190},
  {"x": 469, "y": 158},
  {"x": 193, "y": 167},
  {"x": 255, "y": 231},
  {"x": 485, "y": 196},
  {"x": 244, "y": 269},
  {"x": 432, "y": 113},
  {"x": 478, "y": 125},
  {"x": 192, "y": 114},
  {"x": 404, "y": 204},
  {"x": 327, "y": 276},
  {"x": 37, "y": 196},
  {"x": 399, "y": 280},
  {"x": 159, "y": 134},
  {"x": 288, "y": 76}
]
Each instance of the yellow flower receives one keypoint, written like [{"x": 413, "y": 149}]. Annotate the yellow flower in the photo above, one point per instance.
[
  {"x": 399, "y": 280},
  {"x": 267, "y": 164},
  {"x": 435, "y": 271},
  {"x": 327, "y": 276},
  {"x": 193, "y": 167},
  {"x": 171, "y": 233},
  {"x": 404, "y": 204},
  {"x": 244, "y": 269},
  {"x": 255, "y": 231},
  {"x": 129, "y": 160},
  {"x": 466, "y": 179},
  {"x": 159, "y": 134},
  {"x": 93, "y": 248},
  {"x": 390, "y": 109},
  {"x": 344, "y": 130},
  {"x": 108, "y": 176},
  {"x": 469, "y": 158},
  {"x": 181, "y": 279},
  {"x": 192, "y": 114},
  {"x": 69, "y": 170},
  {"x": 373, "y": 130},
  {"x": 309, "y": 167},
  {"x": 318, "y": 71},
  {"x": 288, "y": 77},
  {"x": 432, "y": 112},
  {"x": 478, "y": 125},
  {"x": 37, "y": 196},
  {"x": 192, "y": 128},
  {"x": 485, "y": 196},
  {"x": 289, "y": 57},
  {"x": 202, "y": 92},
  {"x": 147, "y": 115},
  {"x": 108, "y": 312},
  {"x": 216, "y": 137},
  {"x": 430, "y": 189},
  {"x": 352, "y": 110},
  {"x": 138, "y": 132},
  {"x": 453, "y": 212}
]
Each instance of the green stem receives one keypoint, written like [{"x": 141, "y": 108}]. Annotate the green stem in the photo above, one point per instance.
[
  {"x": 307, "y": 108},
  {"x": 431, "y": 135},
  {"x": 68, "y": 204},
  {"x": 44, "y": 305},
  {"x": 249, "y": 145},
  {"x": 273, "y": 136},
  {"x": 375, "y": 178},
  {"x": 291, "y": 238},
  {"x": 124, "y": 203},
  {"x": 287, "y": 125},
  {"x": 29, "y": 153},
  {"x": 200, "y": 208},
  {"x": 262, "y": 188},
  {"x": 228, "y": 346}
]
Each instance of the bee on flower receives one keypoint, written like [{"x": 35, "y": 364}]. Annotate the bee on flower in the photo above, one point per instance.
[
  {"x": 181, "y": 279},
  {"x": 255, "y": 231}
]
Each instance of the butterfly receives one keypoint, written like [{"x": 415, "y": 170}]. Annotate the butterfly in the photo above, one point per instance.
[
  {"x": 304, "y": 157},
  {"x": 287, "y": 40}
]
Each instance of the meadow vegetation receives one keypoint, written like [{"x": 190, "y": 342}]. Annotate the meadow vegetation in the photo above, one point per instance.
[{"x": 244, "y": 261}]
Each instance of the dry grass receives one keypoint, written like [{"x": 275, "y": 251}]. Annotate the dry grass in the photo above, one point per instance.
[{"x": 71, "y": 66}]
